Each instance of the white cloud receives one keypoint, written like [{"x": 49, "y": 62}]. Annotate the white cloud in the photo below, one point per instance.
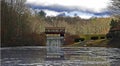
[
  {"x": 51, "y": 13},
  {"x": 83, "y": 8},
  {"x": 94, "y": 5}
]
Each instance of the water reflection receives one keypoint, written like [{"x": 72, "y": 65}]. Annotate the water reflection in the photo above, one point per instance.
[
  {"x": 54, "y": 53},
  {"x": 84, "y": 56}
]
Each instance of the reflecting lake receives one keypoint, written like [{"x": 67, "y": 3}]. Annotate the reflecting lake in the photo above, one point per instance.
[{"x": 65, "y": 56}]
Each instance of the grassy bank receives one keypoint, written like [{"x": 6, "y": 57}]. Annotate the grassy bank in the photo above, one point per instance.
[{"x": 96, "y": 43}]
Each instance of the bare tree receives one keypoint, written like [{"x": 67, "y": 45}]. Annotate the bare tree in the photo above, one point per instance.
[{"x": 115, "y": 8}]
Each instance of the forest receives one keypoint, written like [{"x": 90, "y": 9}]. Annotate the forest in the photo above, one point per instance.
[{"x": 20, "y": 28}]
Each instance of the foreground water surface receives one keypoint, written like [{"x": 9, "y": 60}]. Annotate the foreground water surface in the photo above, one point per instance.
[{"x": 82, "y": 56}]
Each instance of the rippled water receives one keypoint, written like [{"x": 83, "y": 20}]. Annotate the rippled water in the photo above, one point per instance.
[{"x": 83, "y": 56}]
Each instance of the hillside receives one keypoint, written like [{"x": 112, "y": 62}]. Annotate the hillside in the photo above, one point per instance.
[{"x": 74, "y": 25}]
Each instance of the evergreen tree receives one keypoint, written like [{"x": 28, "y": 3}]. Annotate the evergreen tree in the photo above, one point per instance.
[{"x": 42, "y": 14}]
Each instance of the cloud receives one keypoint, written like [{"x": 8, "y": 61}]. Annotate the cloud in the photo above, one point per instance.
[
  {"x": 83, "y": 8},
  {"x": 51, "y": 13},
  {"x": 94, "y": 5},
  {"x": 48, "y": 12},
  {"x": 84, "y": 15}
]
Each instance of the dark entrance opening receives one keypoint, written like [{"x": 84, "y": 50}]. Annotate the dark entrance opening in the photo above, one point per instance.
[
  {"x": 94, "y": 38},
  {"x": 79, "y": 39}
]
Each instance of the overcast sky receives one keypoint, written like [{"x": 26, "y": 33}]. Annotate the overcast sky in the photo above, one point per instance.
[{"x": 83, "y": 8}]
